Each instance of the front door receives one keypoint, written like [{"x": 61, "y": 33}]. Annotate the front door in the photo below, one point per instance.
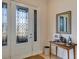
[
  {"x": 23, "y": 38},
  {"x": 22, "y": 31}
]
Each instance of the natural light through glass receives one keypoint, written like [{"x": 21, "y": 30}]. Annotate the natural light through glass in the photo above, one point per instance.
[
  {"x": 4, "y": 24},
  {"x": 22, "y": 24}
]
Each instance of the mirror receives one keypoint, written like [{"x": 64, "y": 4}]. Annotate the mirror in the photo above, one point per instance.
[{"x": 63, "y": 22}]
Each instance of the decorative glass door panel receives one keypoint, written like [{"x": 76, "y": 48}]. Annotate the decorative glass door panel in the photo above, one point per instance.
[
  {"x": 4, "y": 24},
  {"x": 21, "y": 24}
]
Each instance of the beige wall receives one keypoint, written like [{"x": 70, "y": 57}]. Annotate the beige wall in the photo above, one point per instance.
[{"x": 58, "y": 6}]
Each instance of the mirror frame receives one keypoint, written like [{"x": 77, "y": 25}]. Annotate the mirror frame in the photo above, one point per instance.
[{"x": 67, "y": 17}]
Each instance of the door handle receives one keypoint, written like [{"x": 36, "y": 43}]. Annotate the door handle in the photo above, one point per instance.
[
  {"x": 30, "y": 34},
  {"x": 30, "y": 37}
]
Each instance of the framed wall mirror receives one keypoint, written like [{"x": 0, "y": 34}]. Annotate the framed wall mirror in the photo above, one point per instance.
[{"x": 63, "y": 22}]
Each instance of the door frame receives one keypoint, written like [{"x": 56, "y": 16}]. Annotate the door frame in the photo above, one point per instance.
[{"x": 11, "y": 30}]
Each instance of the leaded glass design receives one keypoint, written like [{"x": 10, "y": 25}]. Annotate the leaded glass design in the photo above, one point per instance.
[
  {"x": 4, "y": 24},
  {"x": 21, "y": 24}
]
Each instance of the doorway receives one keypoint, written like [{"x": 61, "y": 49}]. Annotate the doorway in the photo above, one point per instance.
[{"x": 20, "y": 40}]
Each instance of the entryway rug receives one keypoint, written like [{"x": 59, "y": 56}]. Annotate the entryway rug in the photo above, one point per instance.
[{"x": 35, "y": 57}]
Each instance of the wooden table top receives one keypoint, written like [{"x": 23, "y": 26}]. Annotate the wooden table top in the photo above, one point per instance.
[{"x": 64, "y": 45}]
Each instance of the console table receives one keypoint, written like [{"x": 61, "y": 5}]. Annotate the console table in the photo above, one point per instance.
[{"x": 64, "y": 46}]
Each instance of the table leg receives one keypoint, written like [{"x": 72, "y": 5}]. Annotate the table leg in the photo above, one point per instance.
[
  {"x": 68, "y": 53},
  {"x": 56, "y": 50},
  {"x": 50, "y": 50},
  {"x": 74, "y": 52}
]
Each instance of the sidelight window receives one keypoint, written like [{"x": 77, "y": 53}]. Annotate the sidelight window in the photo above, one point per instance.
[
  {"x": 4, "y": 24},
  {"x": 35, "y": 25}
]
